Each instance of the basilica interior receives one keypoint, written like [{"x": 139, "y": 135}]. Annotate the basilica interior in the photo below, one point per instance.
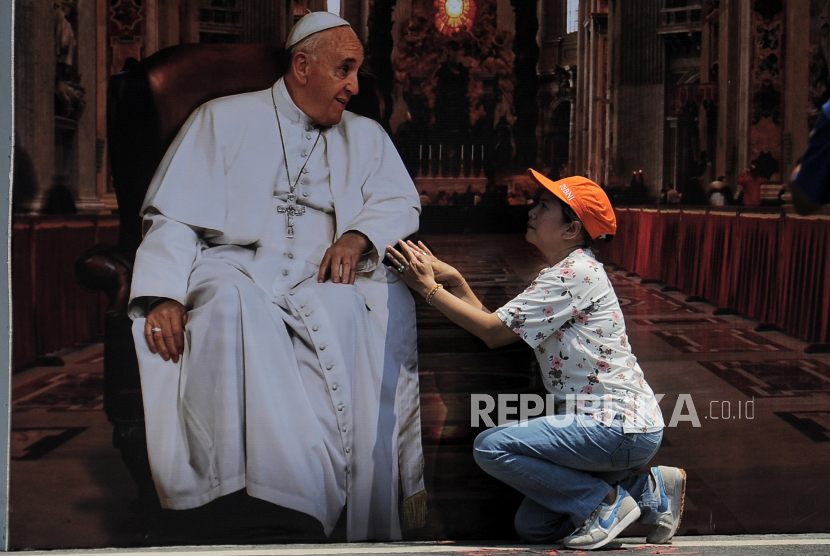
[{"x": 655, "y": 100}]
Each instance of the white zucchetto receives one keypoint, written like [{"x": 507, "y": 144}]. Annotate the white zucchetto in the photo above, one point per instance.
[{"x": 313, "y": 23}]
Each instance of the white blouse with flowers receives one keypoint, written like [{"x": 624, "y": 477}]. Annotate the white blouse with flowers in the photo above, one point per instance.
[{"x": 571, "y": 317}]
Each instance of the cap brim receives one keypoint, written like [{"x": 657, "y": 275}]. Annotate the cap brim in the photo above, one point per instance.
[{"x": 547, "y": 183}]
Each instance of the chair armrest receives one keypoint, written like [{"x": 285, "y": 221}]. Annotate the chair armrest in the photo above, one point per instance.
[{"x": 102, "y": 269}]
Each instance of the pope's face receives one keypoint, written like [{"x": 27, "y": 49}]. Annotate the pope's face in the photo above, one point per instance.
[{"x": 332, "y": 76}]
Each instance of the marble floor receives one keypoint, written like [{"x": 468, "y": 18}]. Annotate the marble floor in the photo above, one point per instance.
[{"x": 748, "y": 414}]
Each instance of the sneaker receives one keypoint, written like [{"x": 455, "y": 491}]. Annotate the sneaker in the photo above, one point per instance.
[
  {"x": 671, "y": 489},
  {"x": 605, "y": 523}
]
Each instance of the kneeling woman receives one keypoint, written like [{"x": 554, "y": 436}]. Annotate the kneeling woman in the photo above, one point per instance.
[{"x": 575, "y": 468}]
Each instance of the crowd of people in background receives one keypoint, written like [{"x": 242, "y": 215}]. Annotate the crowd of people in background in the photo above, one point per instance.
[{"x": 697, "y": 189}]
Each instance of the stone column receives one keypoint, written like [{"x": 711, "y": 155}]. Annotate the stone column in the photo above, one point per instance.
[
  {"x": 638, "y": 92},
  {"x": 401, "y": 12},
  {"x": 577, "y": 165},
  {"x": 356, "y": 13},
  {"x": 733, "y": 85},
  {"x": 796, "y": 95},
  {"x": 263, "y": 21},
  {"x": 103, "y": 192},
  {"x": 87, "y": 134},
  {"x": 527, "y": 84},
  {"x": 151, "y": 29},
  {"x": 34, "y": 92},
  {"x": 506, "y": 19}
]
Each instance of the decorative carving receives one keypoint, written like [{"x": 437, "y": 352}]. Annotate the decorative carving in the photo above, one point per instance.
[
  {"x": 768, "y": 37},
  {"x": 484, "y": 52},
  {"x": 768, "y": 67},
  {"x": 125, "y": 14},
  {"x": 766, "y": 88},
  {"x": 69, "y": 94}
]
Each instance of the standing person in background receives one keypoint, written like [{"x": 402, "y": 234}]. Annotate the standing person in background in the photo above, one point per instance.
[
  {"x": 810, "y": 184},
  {"x": 750, "y": 181},
  {"x": 720, "y": 194}
]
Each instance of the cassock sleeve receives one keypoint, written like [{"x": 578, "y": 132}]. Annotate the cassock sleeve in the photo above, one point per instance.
[
  {"x": 391, "y": 204},
  {"x": 163, "y": 261}
]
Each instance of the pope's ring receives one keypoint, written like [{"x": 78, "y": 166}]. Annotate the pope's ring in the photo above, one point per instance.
[
  {"x": 156, "y": 330},
  {"x": 401, "y": 268}
]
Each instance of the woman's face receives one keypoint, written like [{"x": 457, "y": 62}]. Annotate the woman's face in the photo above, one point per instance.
[{"x": 546, "y": 224}]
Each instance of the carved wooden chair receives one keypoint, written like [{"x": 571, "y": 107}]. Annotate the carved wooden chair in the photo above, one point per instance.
[{"x": 147, "y": 103}]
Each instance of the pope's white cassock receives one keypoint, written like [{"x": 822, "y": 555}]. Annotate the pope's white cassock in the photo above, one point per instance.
[{"x": 304, "y": 394}]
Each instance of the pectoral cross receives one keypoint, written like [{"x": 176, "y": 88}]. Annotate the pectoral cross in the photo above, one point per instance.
[{"x": 290, "y": 210}]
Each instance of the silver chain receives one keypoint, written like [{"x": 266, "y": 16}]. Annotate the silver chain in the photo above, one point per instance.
[{"x": 290, "y": 210}]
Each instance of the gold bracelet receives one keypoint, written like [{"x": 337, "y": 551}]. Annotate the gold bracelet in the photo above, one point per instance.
[
  {"x": 461, "y": 283},
  {"x": 431, "y": 293}
]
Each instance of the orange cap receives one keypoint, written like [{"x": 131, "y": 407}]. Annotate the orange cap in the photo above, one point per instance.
[{"x": 587, "y": 199}]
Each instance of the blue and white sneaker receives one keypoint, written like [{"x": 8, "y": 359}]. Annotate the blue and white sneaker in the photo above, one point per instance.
[
  {"x": 605, "y": 523},
  {"x": 671, "y": 493}
]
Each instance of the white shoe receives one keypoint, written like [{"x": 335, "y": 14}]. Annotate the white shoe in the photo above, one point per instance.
[
  {"x": 671, "y": 490},
  {"x": 605, "y": 523}
]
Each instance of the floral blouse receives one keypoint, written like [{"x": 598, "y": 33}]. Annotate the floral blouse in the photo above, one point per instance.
[{"x": 571, "y": 317}]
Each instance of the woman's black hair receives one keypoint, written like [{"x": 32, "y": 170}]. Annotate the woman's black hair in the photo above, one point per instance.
[{"x": 568, "y": 215}]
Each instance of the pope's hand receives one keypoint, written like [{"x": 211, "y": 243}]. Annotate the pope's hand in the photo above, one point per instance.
[
  {"x": 340, "y": 260},
  {"x": 164, "y": 329}
]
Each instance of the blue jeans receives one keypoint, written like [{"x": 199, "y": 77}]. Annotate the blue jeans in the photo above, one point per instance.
[{"x": 565, "y": 465}]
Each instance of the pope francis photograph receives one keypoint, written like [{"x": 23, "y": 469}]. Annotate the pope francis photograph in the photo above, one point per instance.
[{"x": 276, "y": 354}]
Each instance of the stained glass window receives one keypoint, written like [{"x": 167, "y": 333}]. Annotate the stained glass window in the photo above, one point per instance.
[{"x": 573, "y": 16}]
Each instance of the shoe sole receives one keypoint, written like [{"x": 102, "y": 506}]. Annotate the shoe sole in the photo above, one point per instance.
[
  {"x": 680, "y": 514},
  {"x": 630, "y": 518}
]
